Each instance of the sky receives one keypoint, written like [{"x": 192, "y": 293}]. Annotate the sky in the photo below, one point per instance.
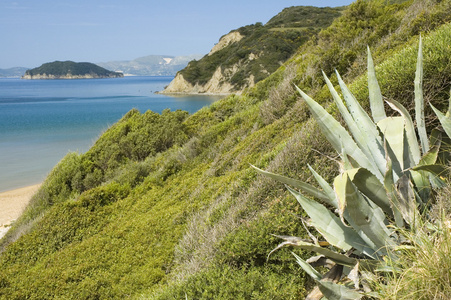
[{"x": 35, "y": 32}]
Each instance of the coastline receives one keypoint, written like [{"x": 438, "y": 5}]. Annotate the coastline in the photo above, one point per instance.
[
  {"x": 175, "y": 94},
  {"x": 12, "y": 204}
]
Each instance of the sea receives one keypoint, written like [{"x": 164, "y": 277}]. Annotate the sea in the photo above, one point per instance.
[{"x": 43, "y": 120}]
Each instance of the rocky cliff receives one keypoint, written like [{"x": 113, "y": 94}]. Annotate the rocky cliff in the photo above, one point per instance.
[
  {"x": 218, "y": 83},
  {"x": 249, "y": 54}
]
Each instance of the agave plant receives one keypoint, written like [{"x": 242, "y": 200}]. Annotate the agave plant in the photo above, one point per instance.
[{"x": 386, "y": 181}]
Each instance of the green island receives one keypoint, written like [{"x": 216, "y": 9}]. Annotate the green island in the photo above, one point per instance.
[
  {"x": 69, "y": 70},
  {"x": 180, "y": 206}
]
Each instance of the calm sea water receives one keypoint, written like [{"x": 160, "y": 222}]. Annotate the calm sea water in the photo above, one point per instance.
[{"x": 42, "y": 120}]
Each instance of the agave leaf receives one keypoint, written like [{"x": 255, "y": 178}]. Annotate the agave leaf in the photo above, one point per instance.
[
  {"x": 308, "y": 268},
  {"x": 330, "y": 226},
  {"x": 332, "y": 290},
  {"x": 371, "y": 187},
  {"x": 329, "y": 289},
  {"x": 358, "y": 113},
  {"x": 336, "y": 134},
  {"x": 393, "y": 130},
  {"x": 422, "y": 184},
  {"x": 376, "y": 103},
  {"x": 369, "y": 135},
  {"x": 410, "y": 130},
  {"x": 419, "y": 101},
  {"x": 360, "y": 138},
  {"x": 422, "y": 178},
  {"x": 389, "y": 185},
  {"x": 436, "y": 169},
  {"x": 406, "y": 200},
  {"x": 328, "y": 190},
  {"x": 340, "y": 191},
  {"x": 445, "y": 121},
  {"x": 305, "y": 187},
  {"x": 368, "y": 218},
  {"x": 448, "y": 113},
  {"x": 346, "y": 164},
  {"x": 300, "y": 243}
]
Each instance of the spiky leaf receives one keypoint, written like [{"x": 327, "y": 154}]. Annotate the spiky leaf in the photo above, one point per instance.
[
  {"x": 329, "y": 225},
  {"x": 367, "y": 218},
  {"x": 300, "y": 243},
  {"x": 376, "y": 103},
  {"x": 305, "y": 187},
  {"x": 336, "y": 134},
  {"x": 371, "y": 187},
  {"x": 419, "y": 101},
  {"x": 410, "y": 130}
]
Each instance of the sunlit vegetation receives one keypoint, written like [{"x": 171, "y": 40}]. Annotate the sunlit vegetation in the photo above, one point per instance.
[
  {"x": 264, "y": 47},
  {"x": 166, "y": 206}
]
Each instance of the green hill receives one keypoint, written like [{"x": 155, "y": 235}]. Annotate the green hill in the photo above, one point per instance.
[
  {"x": 69, "y": 70},
  {"x": 251, "y": 53},
  {"x": 167, "y": 207}
]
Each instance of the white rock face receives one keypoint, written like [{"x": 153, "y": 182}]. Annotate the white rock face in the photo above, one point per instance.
[
  {"x": 226, "y": 40},
  {"x": 219, "y": 83}
]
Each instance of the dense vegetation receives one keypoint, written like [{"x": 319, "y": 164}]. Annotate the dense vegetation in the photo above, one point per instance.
[
  {"x": 167, "y": 207},
  {"x": 70, "y": 68},
  {"x": 264, "y": 47}
]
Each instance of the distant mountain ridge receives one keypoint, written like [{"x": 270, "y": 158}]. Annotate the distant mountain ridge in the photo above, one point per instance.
[
  {"x": 151, "y": 65},
  {"x": 69, "y": 70},
  {"x": 13, "y": 72}
]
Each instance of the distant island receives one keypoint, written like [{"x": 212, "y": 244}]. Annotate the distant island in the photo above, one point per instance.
[{"x": 69, "y": 70}]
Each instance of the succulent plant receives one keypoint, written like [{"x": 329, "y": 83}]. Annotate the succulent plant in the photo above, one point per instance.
[{"x": 386, "y": 182}]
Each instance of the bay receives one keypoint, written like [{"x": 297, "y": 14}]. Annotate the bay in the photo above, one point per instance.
[{"x": 42, "y": 120}]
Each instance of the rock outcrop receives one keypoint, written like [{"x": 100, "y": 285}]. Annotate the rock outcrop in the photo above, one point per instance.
[
  {"x": 225, "y": 41},
  {"x": 251, "y": 53}
]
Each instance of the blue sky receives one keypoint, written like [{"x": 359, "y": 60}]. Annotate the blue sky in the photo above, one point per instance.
[{"x": 35, "y": 32}]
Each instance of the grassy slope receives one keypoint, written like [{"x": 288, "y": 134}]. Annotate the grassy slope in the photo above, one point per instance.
[{"x": 193, "y": 217}]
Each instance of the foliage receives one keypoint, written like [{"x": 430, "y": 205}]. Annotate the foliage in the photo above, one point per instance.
[
  {"x": 384, "y": 182},
  {"x": 264, "y": 47},
  {"x": 136, "y": 225},
  {"x": 62, "y": 68},
  {"x": 425, "y": 263}
]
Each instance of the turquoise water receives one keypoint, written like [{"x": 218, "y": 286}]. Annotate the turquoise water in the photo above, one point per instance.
[{"x": 43, "y": 120}]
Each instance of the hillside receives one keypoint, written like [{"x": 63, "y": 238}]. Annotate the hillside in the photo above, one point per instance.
[
  {"x": 151, "y": 65},
  {"x": 69, "y": 70},
  {"x": 166, "y": 206},
  {"x": 251, "y": 53}
]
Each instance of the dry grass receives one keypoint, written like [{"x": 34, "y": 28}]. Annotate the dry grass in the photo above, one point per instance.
[{"x": 426, "y": 265}]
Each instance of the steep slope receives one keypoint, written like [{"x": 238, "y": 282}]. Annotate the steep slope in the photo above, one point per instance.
[
  {"x": 167, "y": 207},
  {"x": 249, "y": 54},
  {"x": 151, "y": 65}
]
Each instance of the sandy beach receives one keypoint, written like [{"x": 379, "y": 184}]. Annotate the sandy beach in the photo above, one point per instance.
[{"x": 12, "y": 204}]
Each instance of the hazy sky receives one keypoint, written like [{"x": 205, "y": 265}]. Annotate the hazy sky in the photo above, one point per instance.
[{"x": 33, "y": 32}]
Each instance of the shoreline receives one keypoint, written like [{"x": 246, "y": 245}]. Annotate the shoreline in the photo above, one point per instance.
[
  {"x": 12, "y": 205},
  {"x": 192, "y": 94}
]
